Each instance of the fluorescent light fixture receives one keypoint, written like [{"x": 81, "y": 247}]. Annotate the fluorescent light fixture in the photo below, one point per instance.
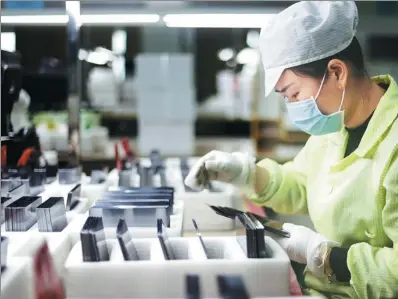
[
  {"x": 35, "y": 19},
  {"x": 120, "y": 19},
  {"x": 217, "y": 20},
  {"x": 84, "y": 19},
  {"x": 8, "y": 41}
]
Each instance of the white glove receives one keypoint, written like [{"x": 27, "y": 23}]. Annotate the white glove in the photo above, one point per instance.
[
  {"x": 236, "y": 168},
  {"x": 306, "y": 247}
]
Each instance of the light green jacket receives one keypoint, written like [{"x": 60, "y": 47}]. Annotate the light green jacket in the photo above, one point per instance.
[{"x": 351, "y": 200}]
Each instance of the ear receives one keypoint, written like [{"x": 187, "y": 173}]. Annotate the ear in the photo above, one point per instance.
[{"x": 338, "y": 71}]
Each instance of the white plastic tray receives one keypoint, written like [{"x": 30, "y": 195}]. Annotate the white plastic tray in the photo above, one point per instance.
[
  {"x": 175, "y": 229},
  {"x": 58, "y": 243},
  {"x": 17, "y": 279},
  {"x": 157, "y": 278},
  {"x": 196, "y": 203}
]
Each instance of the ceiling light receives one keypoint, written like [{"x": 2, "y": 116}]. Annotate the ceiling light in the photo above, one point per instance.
[
  {"x": 217, "y": 20},
  {"x": 84, "y": 19},
  {"x": 120, "y": 19},
  {"x": 35, "y": 19}
]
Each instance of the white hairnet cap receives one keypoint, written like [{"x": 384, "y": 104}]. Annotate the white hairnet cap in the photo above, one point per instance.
[{"x": 305, "y": 32}]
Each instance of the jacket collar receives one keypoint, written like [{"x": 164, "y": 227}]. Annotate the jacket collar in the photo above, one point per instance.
[{"x": 385, "y": 114}]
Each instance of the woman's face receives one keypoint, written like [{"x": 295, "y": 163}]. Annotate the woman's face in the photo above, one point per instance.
[{"x": 295, "y": 87}]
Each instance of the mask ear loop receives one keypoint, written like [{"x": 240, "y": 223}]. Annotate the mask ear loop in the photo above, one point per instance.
[
  {"x": 342, "y": 99},
  {"x": 320, "y": 88}
]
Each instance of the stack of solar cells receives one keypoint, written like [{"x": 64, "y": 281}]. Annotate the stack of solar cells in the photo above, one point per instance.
[
  {"x": 14, "y": 188},
  {"x": 37, "y": 181},
  {"x": 21, "y": 214},
  {"x": 92, "y": 235},
  {"x": 73, "y": 197},
  {"x": 126, "y": 242},
  {"x": 251, "y": 238},
  {"x": 51, "y": 215},
  {"x": 140, "y": 207},
  {"x": 5, "y": 201},
  {"x": 167, "y": 249},
  {"x": 71, "y": 175}
]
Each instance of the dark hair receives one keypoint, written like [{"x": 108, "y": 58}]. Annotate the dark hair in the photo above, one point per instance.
[{"x": 352, "y": 55}]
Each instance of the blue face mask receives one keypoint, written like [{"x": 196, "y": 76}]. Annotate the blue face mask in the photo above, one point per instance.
[{"x": 308, "y": 118}]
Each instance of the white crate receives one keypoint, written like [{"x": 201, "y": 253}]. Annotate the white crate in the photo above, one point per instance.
[
  {"x": 166, "y": 106},
  {"x": 93, "y": 192},
  {"x": 58, "y": 243},
  {"x": 175, "y": 229},
  {"x": 196, "y": 203},
  {"x": 164, "y": 71},
  {"x": 17, "y": 280},
  {"x": 56, "y": 240},
  {"x": 157, "y": 278},
  {"x": 176, "y": 139},
  {"x": 196, "y": 207}
]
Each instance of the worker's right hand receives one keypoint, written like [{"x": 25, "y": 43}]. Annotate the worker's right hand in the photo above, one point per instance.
[{"x": 236, "y": 168}]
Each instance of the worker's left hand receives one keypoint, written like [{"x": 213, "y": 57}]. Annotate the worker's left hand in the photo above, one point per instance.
[{"x": 306, "y": 247}]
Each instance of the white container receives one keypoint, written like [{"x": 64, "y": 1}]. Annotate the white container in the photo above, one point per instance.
[
  {"x": 166, "y": 105},
  {"x": 93, "y": 192},
  {"x": 175, "y": 229},
  {"x": 157, "y": 278},
  {"x": 17, "y": 280},
  {"x": 170, "y": 139},
  {"x": 171, "y": 71},
  {"x": 196, "y": 203},
  {"x": 86, "y": 142},
  {"x": 196, "y": 206},
  {"x": 100, "y": 139},
  {"x": 58, "y": 243}
]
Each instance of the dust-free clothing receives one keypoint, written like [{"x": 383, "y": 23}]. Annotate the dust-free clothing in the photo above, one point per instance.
[{"x": 352, "y": 200}]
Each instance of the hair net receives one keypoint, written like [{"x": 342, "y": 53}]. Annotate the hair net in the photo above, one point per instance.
[{"x": 305, "y": 32}]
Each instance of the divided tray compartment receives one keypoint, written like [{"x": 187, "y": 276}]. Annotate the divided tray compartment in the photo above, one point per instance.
[
  {"x": 23, "y": 244},
  {"x": 196, "y": 206},
  {"x": 58, "y": 243},
  {"x": 93, "y": 192},
  {"x": 195, "y": 203},
  {"x": 17, "y": 279},
  {"x": 159, "y": 278},
  {"x": 175, "y": 229}
]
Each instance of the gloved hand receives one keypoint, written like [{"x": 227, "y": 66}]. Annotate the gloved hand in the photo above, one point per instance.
[
  {"x": 306, "y": 247},
  {"x": 236, "y": 168}
]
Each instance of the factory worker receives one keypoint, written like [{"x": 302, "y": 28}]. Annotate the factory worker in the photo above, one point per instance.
[{"x": 346, "y": 176}]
